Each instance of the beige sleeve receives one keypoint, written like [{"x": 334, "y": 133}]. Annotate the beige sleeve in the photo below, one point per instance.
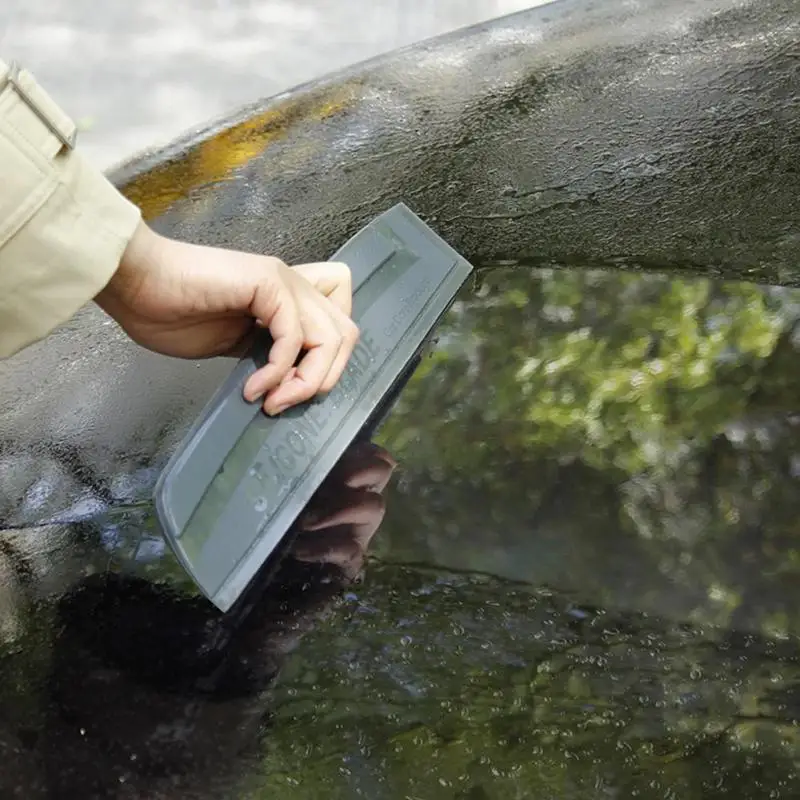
[{"x": 63, "y": 226}]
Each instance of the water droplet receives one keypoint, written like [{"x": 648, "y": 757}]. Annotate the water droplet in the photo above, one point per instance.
[{"x": 261, "y": 505}]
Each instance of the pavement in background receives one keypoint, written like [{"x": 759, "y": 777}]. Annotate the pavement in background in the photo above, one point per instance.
[{"x": 137, "y": 74}]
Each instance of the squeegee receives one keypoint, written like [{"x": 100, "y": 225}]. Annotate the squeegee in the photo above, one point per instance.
[{"x": 238, "y": 480}]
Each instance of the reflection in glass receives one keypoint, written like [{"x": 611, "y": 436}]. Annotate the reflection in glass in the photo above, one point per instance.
[
  {"x": 585, "y": 586},
  {"x": 153, "y": 693}
]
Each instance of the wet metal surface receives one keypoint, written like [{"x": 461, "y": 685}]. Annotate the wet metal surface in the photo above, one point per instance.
[
  {"x": 150, "y": 70},
  {"x": 585, "y": 584}
]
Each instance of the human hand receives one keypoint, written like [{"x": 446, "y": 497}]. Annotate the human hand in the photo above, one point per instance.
[
  {"x": 347, "y": 510},
  {"x": 191, "y": 301}
]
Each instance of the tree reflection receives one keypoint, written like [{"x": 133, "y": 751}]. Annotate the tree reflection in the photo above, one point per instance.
[{"x": 633, "y": 435}]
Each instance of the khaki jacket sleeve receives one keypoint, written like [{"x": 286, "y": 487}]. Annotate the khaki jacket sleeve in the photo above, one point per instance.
[{"x": 63, "y": 226}]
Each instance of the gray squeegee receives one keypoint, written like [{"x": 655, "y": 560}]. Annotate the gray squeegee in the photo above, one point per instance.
[{"x": 239, "y": 478}]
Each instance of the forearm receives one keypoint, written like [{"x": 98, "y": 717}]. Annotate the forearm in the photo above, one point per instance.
[{"x": 63, "y": 226}]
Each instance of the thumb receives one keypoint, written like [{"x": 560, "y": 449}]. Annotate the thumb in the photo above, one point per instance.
[{"x": 332, "y": 279}]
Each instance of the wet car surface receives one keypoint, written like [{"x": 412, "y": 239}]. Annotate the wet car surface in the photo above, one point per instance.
[
  {"x": 567, "y": 566},
  {"x": 586, "y": 578}
]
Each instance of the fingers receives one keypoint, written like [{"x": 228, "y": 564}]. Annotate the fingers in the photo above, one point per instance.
[
  {"x": 338, "y": 547},
  {"x": 328, "y": 339},
  {"x": 323, "y": 341},
  {"x": 364, "y": 466},
  {"x": 343, "y": 536},
  {"x": 303, "y": 308},
  {"x": 334, "y": 281},
  {"x": 273, "y": 301},
  {"x": 347, "y": 507},
  {"x": 349, "y": 333}
]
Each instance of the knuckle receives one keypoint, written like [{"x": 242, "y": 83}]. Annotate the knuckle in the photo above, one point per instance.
[
  {"x": 332, "y": 378},
  {"x": 349, "y": 336},
  {"x": 295, "y": 335},
  {"x": 269, "y": 290},
  {"x": 377, "y": 504},
  {"x": 334, "y": 338},
  {"x": 310, "y": 389},
  {"x": 274, "y": 263},
  {"x": 352, "y": 332},
  {"x": 343, "y": 272},
  {"x": 328, "y": 383},
  {"x": 294, "y": 340}
]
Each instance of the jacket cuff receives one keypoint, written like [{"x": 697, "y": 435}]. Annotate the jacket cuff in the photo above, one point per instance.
[{"x": 63, "y": 225}]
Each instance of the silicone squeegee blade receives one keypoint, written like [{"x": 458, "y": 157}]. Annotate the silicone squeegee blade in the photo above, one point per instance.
[{"x": 239, "y": 479}]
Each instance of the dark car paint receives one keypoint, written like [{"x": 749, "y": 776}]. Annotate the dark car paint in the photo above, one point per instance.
[{"x": 646, "y": 137}]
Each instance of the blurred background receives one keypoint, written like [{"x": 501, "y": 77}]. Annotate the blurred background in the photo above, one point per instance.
[{"x": 135, "y": 75}]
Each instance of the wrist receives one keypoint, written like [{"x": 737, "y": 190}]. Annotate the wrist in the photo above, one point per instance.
[{"x": 138, "y": 258}]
